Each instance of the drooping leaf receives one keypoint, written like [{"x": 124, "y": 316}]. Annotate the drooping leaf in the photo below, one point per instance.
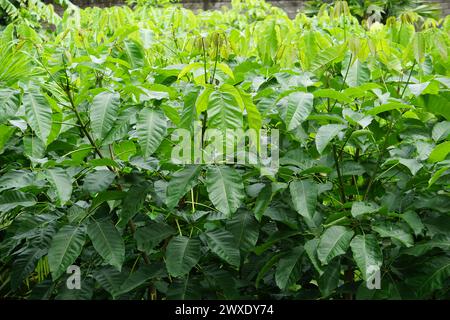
[
  {"x": 298, "y": 106},
  {"x": 98, "y": 181},
  {"x": 245, "y": 230},
  {"x": 304, "y": 197},
  {"x": 151, "y": 129},
  {"x": 108, "y": 242},
  {"x": 225, "y": 188},
  {"x": 289, "y": 268},
  {"x": 39, "y": 114},
  {"x": 327, "y": 133},
  {"x": 62, "y": 183},
  {"x": 333, "y": 242},
  {"x": 182, "y": 254},
  {"x": 65, "y": 248},
  {"x": 182, "y": 181},
  {"x": 223, "y": 244},
  {"x": 103, "y": 113},
  {"x": 367, "y": 254}
]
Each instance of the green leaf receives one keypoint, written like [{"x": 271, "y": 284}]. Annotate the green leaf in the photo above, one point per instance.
[
  {"x": 6, "y": 133},
  {"x": 311, "y": 251},
  {"x": 304, "y": 197},
  {"x": 394, "y": 231},
  {"x": 361, "y": 208},
  {"x": 150, "y": 236},
  {"x": 332, "y": 94},
  {"x": 223, "y": 244},
  {"x": 182, "y": 254},
  {"x": 333, "y": 242},
  {"x": 132, "y": 203},
  {"x": 326, "y": 133},
  {"x": 108, "y": 242},
  {"x": 103, "y": 113},
  {"x": 225, "y": 188},
  {"x": 182, "y": 181},
  {"x": 24, "y": 264},
  {"x": 367, "y": 254},
  {"x": 289, "y": 268},
  {"x": 245, "y": 230},
  {"x": 201, "y": 103},
  {"x": 388, "y": 107},
  {"x": 12, "y": 199},
  {"x": 297, "y": 107},
  {"x": 413, "y": 221},
  {"x": 329, "y": 280},
  {"x": 434, "y": 273},
  {"x": 420, "y": 248},
  {"x": 358, "y": 73},
  {"x": 38, "y": 113},
  {"x": 262, "y": 201},
  {"x": 110, "y": 279},
  {"x": 224, "y": 111},
  {"x": 151, "y": 128},
  {"x": 441, "y": 130},
  {"x": 141, "y": 277},
  {"x": 65, "y": 248},
  {"x": 98, "y": 181},
  {"x": 440, "y": 152},
  {"x": 253, "y": 115},
  {"x": 62, "y": 183}
]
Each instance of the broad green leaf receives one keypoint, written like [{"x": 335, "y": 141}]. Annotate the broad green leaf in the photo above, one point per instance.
[
  {"x": 182, "y": 181},
  {"x": 437, "y": 175},
  {"x": 151, "y": 235},
  {"x": 388, "y": 107},
  {"x": 434, "y": 273},
  {"x": 225, "y": 188},
  {"x": 110, "y": 279},
  {"x": 358, "y": 73},
  {"x": 132, "y": 203},
  {"x": 327, "y": 133},
  {"x": 223, "y": 244},
  {"x": 421, "y": 248},
  {"x": 38, "y": 113},
  {"x": 224, "y": 111},
  {"x": 108, "y": 242},
  {"x": 367, "y": 254},
  {"x": 262, "y": 201},
  {"x": 6, "y": 133},
  {"x": 328, "y": 56},
  {"x": 103, "y": 113},
  {"x": 16, "y": 179},
  {"x": 394, "y": 231},
  {"x": 329, "y": 280},
  {"x": 332, "y": 94},
  {"x": 304, "y": 197},
  {"x": 12, "y": 199},
  {"x": 311, "y": 251},
  {"x": 151, "y": 129},
  {"x": 141, "y": 277},
  {"x": 333, "y": 242},
  {"x": 124, "y": 150},
  {"x": 413, "y": 221},
  {"x": 24, "y": 264},
  {"x": 440, "y": 152},
  {"x": 361, "y": 208},
  {"x": 182, "y": 254},
  {"x": 289, "y": 268},
  {"x": 201, "y": 103},
  {"x": 65, "y": 248},
  {"x": 245, "y": 230},
  {"x": 253, "y": 115},
  {"x": 441, "y": 130},
  {"x": 62, "y": 183},
  {"x": 98, "y": 181},
  {"x": 297, "y": 107}
]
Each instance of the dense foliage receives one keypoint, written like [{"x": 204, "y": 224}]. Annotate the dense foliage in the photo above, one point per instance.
[{"x": 88, "y": 106}]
